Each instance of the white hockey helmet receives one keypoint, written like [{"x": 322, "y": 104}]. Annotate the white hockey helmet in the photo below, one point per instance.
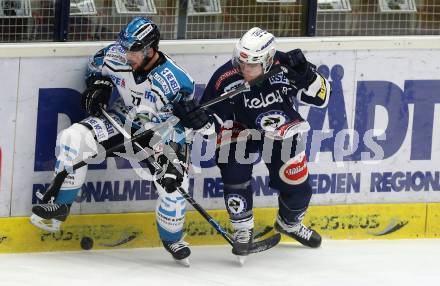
[{"x": 255, "y": 46}]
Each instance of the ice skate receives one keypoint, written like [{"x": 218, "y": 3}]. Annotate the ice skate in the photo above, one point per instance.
[
  {"x": 299, "y": 232},
  {"x": 49, "y": 216},
  {"x": 242, "y": 243},
  {"x": 179, "y": 250}
]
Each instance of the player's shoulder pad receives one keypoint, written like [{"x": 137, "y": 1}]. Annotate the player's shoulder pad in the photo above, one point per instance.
[
  {"x": 115, "y": 58},
  {"x": 94, "y": 67},
  {"x": 172, "y": 79},
  {"x": 317, "y": 93},
  {"x": 227, "y": 77}
]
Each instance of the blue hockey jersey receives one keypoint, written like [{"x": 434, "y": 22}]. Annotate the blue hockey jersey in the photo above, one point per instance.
[{"x": 268, "y": 106}]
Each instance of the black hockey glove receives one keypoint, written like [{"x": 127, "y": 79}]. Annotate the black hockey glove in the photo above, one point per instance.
[
  {"x": 301, "y": 72},
  {"x": 97, "y": 95},
  {"x": 191, "y": 115},
  {"x": 172, "y": 179}
]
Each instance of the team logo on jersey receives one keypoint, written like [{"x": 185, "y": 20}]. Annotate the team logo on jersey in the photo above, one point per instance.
[
  {"x": 271, "y": 120},
  {"x": 263, "y": 100},
  {"x": 278, "y": 78},
  {"x": 162, "y": 83},
  {"x": 171, "y": 79},
  {"x": 150, "y": 96},
  {"x": 236, "y": 204},
  {"x": 118, "y": 81}
]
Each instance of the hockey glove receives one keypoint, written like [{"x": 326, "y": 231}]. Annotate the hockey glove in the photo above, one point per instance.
[
  {"x": 97, "y": 95},
  {"x": 191, "y": 115},
  {"x": 301, "y": 72},
  {"x": 172, "y": 179}
]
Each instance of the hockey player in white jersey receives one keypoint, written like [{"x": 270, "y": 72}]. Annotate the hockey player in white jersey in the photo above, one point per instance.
[{"x": 148, "y": 83}]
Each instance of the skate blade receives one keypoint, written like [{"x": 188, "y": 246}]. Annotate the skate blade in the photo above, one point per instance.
[
  {"x": 183, "y": 262},
  {"x": 241, "y": 259},
  {"x": 51, "y": 225}
]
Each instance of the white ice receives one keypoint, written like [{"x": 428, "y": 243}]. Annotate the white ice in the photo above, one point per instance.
[{"x": 339, "y": 263}]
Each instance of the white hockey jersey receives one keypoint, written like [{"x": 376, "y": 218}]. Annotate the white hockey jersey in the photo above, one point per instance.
[{"x": 148, "y": 95}]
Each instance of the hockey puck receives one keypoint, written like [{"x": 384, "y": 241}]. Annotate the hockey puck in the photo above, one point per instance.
[{"x": 86, "y": 243}]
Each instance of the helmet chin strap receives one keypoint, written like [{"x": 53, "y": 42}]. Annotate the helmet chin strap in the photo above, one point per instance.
[{"x": 268, "y": 66}]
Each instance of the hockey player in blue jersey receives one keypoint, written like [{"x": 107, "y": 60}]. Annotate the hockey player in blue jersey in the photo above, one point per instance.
[
  {"x": 268, "y": 109},
  {"x": 148, "y": 83}
]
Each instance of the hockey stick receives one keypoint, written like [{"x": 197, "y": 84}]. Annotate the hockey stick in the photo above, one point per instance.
[
  {"x": 245, "y": 86},
  {"x": 257, "y": 246},
  {"x": 55, "y": 185}
]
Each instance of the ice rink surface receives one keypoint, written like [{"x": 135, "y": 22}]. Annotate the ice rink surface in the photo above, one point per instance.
[{"x": 339, "y": 263}]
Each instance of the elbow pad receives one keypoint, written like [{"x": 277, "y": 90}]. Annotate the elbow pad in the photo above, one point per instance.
[{"x": 317, "y": 93}]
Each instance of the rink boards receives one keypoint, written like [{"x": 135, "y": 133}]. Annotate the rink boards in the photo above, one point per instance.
[
  {"x": 134, "y": 230},
  {"x": 376, "y": 143}
]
